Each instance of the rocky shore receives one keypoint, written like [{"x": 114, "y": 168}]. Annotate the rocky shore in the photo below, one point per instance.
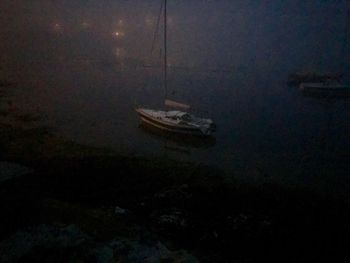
[{"x": 76, "y": 203}]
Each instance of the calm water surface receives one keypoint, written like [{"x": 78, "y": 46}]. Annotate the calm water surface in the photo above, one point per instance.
[{"x": 267, "y": 131}]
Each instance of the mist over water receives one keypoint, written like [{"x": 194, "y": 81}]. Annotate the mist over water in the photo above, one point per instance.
[{"x": 81, "y": 65}]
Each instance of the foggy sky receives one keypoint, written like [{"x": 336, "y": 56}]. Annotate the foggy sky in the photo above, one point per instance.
[{"x": 221, "y": 33}]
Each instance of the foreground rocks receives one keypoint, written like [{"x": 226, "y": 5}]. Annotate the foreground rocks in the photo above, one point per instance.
[
  {"x": 156, "y": 213},
  {"x": 9, "y": 170},
  {"x": 46, "y": 243}
]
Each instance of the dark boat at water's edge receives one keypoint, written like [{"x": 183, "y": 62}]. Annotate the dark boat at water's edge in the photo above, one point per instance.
[
  {"x": 298, "y": 78},
  {"x": 326, "y": 90}
]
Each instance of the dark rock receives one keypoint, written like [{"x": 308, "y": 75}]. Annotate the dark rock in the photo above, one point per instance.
[
  {"x": 44, "y": 238},
  {"x": 136, "y": 251},
  {"x": 120, "y": 211},
  {"x": 12, "y": 170},
  {"x": 174, "y": 219},
  {"x": 174, "y": 195},
  {"x": 69, "y": 244}
]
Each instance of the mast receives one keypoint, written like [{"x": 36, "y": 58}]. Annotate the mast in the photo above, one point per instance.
[
  {"x": 344, "y": 44},
  {"x": 165, "y": 50}
]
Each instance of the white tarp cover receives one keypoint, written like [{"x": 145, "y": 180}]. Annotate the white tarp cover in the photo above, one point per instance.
[{"x": 175, "y": 113}]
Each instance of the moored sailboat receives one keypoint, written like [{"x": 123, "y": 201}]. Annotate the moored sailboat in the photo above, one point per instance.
[{"x": 175, "y": 121}]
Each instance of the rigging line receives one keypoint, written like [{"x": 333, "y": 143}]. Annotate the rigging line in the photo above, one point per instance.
[
  {"x": 345, "y": 40},
  {"x": 157, "y": 27},
  {"x": 165, "y": 51}
]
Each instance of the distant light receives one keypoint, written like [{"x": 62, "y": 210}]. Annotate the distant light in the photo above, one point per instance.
[
  {"x": 57, "y": 27},
  {"x": 85, "y": 24},
  {"x": 118, "y": 34}
]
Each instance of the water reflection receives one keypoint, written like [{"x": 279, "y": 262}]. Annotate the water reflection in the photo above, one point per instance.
[
  {"x": 178, "y": 140},
  {"x": 85, "y": 25},
  {"x": 119, "y": 53},
  {"x": 57, "y": 27},
  {"x": 150, "y": 21}
]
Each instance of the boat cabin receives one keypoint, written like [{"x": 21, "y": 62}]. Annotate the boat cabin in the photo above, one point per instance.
[{"x": 179, "y": 116}]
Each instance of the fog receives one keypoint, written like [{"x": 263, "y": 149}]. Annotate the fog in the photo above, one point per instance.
[
  {"x": 300, "y": 35},
  {"x": 82, "y": 176}
]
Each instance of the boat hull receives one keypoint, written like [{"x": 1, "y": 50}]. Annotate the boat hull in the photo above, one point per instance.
[
  {"x": 169, "y": 127},
  {"x": 325, "y": 90},
  {"x": 179, "y": 139},
  {"x": 298, "y": 78}
]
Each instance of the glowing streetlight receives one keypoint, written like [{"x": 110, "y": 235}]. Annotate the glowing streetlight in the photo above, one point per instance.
[{"x": 118, "y": 34}]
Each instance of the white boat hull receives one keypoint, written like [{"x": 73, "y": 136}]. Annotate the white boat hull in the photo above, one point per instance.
[{"x": 167, "y": 126}]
